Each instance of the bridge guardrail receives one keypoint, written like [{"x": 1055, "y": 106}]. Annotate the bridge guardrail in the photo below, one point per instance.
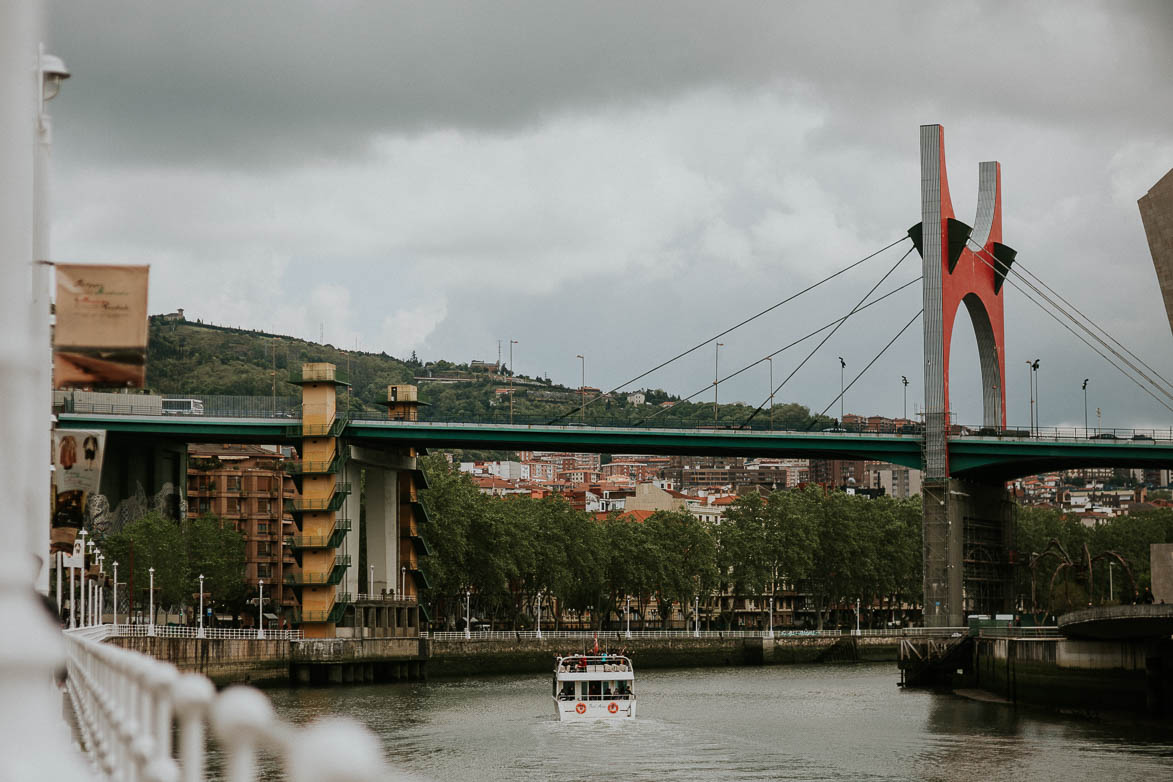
[{"x": 214, "y": 633}]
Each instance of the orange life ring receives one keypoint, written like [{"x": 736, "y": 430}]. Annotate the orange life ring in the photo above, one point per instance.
[
  {"x": 580, "y": 708},
  {"x": 613, "y": 707}
]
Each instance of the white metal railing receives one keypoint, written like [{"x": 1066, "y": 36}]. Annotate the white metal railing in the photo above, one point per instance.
[
  {"x": 1046, "y": 631},
  {"x": 384, "y": 597},
  {"x": 216, "y": 633},
  {"x": 127, "y": 703},
  {"x": 612, "y": 635}
]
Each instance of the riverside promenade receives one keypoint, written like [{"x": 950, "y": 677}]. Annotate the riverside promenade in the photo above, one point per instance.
[{"x": 288, "y": 658}]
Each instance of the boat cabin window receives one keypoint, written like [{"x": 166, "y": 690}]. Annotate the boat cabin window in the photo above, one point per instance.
[{"x": 567, "y": 691}]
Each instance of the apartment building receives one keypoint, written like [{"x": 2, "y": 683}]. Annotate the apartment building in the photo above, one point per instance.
[{"x": 245, "y": 486}]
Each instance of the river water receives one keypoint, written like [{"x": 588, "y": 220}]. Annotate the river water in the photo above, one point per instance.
[{"x": 822, "y": 722}]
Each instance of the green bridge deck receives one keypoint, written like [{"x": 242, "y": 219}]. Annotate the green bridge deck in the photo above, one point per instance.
[{"x": 985, "y": 459}]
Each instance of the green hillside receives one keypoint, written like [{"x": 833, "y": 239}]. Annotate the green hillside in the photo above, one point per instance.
[{"x": 186, "y": 357}]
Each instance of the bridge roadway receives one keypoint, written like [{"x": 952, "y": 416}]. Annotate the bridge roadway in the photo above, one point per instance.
[{"x": 981, "y": 458}]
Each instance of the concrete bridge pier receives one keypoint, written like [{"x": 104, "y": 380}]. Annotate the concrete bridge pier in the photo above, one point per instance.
[{"x": 968, "y": 539}]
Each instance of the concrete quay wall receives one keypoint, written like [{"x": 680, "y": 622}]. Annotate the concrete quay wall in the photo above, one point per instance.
[
  {"x": 1092, "y": 676},
  {"x": 530, "y": 655},
  {"x": 224, "y": 661}
]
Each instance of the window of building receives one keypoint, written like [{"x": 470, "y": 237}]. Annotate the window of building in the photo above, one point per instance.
[
  {"x": 233, "y": 482},
  {"x": 264, "y": 570},
  {"x": 262, "y": 528}
]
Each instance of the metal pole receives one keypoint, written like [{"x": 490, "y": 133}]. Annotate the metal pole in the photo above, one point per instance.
[
  {"x": 904, "y": 380},
  {"x": 582, "y": 387},
  {"x": 771, "y": 360},
  {"x": 627, "y": 613},
  {"x": 115, "y": 596},
  {"x": 371, "y": 581},
  {"x": 468, "y": 613},
  {"x": 82, "y": 576},
  {"x": 512, "y": 342},
  {"x": 842, "y": 367},
  {"x": 857, "y": 616},
  {"x": 200, "y": 632},
  {"x": 151, "y": 603},
  {"x": 261, "y": 609},
  {"x": 1031, "y": 391},
  {"x": 539, "y": 593},
  {"x": 1038, "y": 401},
  {"x": 72, "y": 598},
  {"x": 60, "y": 608},
  {"x": 696, "y": 615},
  {"x": 770, "y": 634},
  {"x": 1085, "y": 407},
  {"x": 1111, "y": 591},
  {"x": 716, "y": 375},
  {"x": 403, "y": 581}
]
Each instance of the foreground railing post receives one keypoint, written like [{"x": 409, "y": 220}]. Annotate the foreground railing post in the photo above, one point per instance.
[{"x": 193, "y": 697}]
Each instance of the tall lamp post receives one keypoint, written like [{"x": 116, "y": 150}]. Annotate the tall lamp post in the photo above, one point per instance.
[
  {"x": 627, "y": 614},
  {"x": 1111, "y": 591},
  {"x": 1085, "y": 407},
  {"x": 1034, "y": 368},
  {"x": 842, "y": 368},
  {"x": 151, "y": 603},
  {"x": 200, "y": 632},
  {"x": 582, "y": 386},
  {"x": 371, "y": 581},
  {"x": 904, "y": 380},
  {"x": 539, "y": 624},
  {"x": 53, "y": 72},
  {"x": 716, "y": 375},
  {"x": 468, "y": 613},
  {"x": 857, "y": 616},
  {"x": 114, "y": 598},
  {"x": 260, "y": 609},
  {"x": 101, "y": 587},
  {"x": 81, "y": 592},
  {"x": 696, "y": 615},
  {"x": 770, "y": 632},
  {"x": 512, "y": 342},
  {"x": 771, "y": 360}
]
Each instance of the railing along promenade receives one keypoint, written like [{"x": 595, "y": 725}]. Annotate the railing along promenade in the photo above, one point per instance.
[
  {"x": 128, "y": 706},
  {"x": 214, "y": 633},
  {"x": 622, "y": 635}
]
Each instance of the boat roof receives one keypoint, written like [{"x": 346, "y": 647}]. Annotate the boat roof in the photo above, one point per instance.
[{"x": 593, "y": 668}]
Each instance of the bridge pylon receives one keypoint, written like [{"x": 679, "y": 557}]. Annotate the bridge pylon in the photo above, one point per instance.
[{"x": 966, "y": 529}]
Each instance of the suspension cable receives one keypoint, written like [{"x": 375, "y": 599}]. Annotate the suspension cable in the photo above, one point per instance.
[
  {"x": 780, "y": 350},
  {"x": 700, "y": 345},
  {"x": 869, "y": 366},
  {"x": 1022, "y": 271},
  {"x": 823, "y": 341},
  {"x": 1080, "y": 338},
  {"x": 1082, "y": 326}
]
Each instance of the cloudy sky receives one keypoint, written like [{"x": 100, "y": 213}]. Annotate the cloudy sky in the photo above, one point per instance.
[{"x": 620, "y": 180}]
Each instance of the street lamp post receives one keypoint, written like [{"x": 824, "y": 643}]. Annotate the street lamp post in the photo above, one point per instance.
[
  {"x": 539, "y": 624},
  {"x": 371, "y": 581},
  {"x": 101, "y": 587},
  {"x": 770, "y": 632},
  {"x": 1111, "y": 591},
  {"x": 468, "y": 613},
  {"x": 151, "y": 603},
  {"x": 1038, "y": 402},
  {"x": 1085, "y": 406},
  {"x": 72, "y": 597},
  {"x": 200, "y": 632},
  {"x": 53, "y": 72},
  {"x": 696, "y": 615},
  {"x": 627, "y": 616},
  {"x": 842, "y": 368},
  {"x": 857, "y": 616},
  {"x": 582, "y": 386},
  {"x": 114, "y": 598},
  {"x": 512, "y": 342},
  {"x": 904, "y": 380},
  {"x": 260, "y": 609},
  {"x": 81, "y": 593},
  {"x": 771, "y": 360},
  {"x": 1030, "y": 377},
  {"x": 716, "y": 375}
]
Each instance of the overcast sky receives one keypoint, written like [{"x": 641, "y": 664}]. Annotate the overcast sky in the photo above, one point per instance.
[{"x": 620, "y": 180}]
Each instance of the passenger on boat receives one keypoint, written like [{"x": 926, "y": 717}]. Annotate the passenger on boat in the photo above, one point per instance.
[{"x": 567, "y": 693}]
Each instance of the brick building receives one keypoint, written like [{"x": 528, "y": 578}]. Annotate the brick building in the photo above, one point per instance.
[{"x": 245, "y": 486}]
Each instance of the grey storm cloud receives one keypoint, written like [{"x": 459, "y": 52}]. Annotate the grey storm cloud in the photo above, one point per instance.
[{"x": 615, "y": 178}]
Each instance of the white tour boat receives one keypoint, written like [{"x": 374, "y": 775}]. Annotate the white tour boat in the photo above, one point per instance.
[{"x": 594, "y": 687}]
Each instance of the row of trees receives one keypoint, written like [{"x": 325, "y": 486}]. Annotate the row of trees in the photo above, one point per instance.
[
  {"x": 180, "y": 551},
  {"x": 508, "y": 552}
]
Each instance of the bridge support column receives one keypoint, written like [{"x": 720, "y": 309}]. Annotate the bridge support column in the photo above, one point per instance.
[
  {"x": 968, "y": 540},
  {"x": 382, "y": 515}
]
